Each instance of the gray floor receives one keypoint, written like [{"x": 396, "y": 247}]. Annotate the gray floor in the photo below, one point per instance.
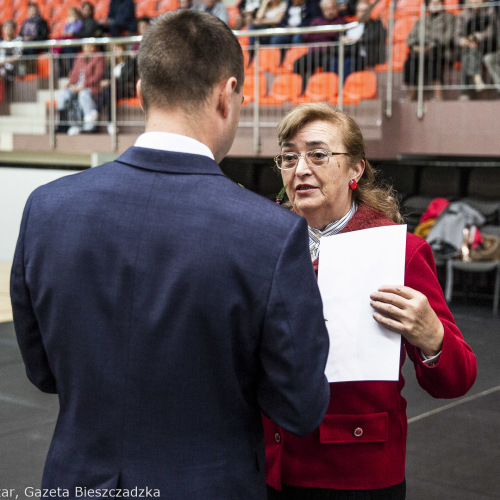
[{"x": 453, "y": 446}]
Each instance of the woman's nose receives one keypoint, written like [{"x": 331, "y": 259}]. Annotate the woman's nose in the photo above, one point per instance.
[{"x": 302, "y": 168}]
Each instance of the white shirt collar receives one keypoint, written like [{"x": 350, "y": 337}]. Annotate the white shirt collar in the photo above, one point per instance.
[{"x": 177, "y": 143}]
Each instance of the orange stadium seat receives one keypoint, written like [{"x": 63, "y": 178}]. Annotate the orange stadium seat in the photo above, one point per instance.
[
  {"x": 407, "y": 7},
  {"x": 320, "y": 87},
  {"x": 146, "y": 8},
  {"x": 285, "y": 88},
  {"x": 101, "y": 9},
  {"x": 43, "y": 66},
  {"x": 381, "y": 10},
  {"x": 360, "y": 85},
  {"x": 399, "y": 54},
  {"x": 233, "y": 13},
  {"x": 165, "y": 5},
  {"x": 249, "y": 88},
  {"x": 269, "y": 59},
  {"x": 6, "y": 13},
  {"x": 20, "y": 15},
  {"x": 292, "y": 54},
  {"x": 402, "y": 28},
  {"x": 129, "y": 101}
]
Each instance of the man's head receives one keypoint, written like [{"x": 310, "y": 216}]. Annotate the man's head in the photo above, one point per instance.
[
  {"x": 143, "y": 24},
  {"x": 9, "y": 30},
  {"x": 191, "y": 76},
  {"x": 33, "y": 9},
  {"x": 329, "y": 9},
  {"x": 182, "y": 57}
]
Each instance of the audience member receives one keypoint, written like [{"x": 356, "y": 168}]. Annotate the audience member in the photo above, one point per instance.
[
  {"x": 34, "y": 28},
  {"x": 74, "y": 23},
  {"x": 475, "y": 34},
  {"x": 492, "y": 63},
  {"x": 439, "y": 31},
  {"x": 215, "y": 7},
  {"x": 121, "y": 18},
  {"x": 347, "y": 7},
  {"x": 324, "y": 55},
  {"x": 365, "y": 43},
  {"x": 186, "y": 4},
  {"x": 247, "y": 10},
  {"x": 8, "y": 58},
  {"x": 76, "y": 103},
  {"x": 143, "y": 24},
  {"x": 90, "y": 27},
  {"x": 269, "y": 15},
  {"x": 299, "y": 13},
  {"x": 124, "y": 73}
]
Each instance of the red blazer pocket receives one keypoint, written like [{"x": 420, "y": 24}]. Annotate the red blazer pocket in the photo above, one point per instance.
[{"x": 369, "y": 428}]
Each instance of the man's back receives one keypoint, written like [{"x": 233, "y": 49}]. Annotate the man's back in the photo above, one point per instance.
[{"x": 161, "y": 297}]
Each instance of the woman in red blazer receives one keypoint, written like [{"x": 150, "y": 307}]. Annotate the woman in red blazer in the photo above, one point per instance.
[{"x": 360, "y": 445}]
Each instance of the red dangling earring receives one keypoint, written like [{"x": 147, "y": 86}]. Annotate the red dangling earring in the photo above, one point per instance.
[{"x": 353, "y": 184}]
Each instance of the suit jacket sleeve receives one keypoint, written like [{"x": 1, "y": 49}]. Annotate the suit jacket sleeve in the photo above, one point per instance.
[
  {"x": 25, "y": 322},
  {"x": 455, "y": 372},
  {"x": 293, "y": 390}
]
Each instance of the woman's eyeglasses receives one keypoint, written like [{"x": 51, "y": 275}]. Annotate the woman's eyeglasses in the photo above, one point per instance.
[{"x": 314, "y": 158}]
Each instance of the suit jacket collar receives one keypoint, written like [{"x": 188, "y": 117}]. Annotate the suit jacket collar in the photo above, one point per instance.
[{"x": 169, "y": 161}]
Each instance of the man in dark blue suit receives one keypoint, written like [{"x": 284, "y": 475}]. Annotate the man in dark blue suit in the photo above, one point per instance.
[{"x": 164, "y": 304}]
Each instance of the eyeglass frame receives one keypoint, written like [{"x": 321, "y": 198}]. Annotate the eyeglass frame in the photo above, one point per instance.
[{"x": 329, "y": 154}]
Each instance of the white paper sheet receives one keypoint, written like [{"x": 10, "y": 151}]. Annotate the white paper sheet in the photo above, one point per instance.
[{"x": 352, "y": 266}]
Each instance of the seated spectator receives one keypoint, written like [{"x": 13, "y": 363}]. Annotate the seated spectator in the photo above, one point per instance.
[
  {"x": 347, "y": 7},
  {"x": 492, "y": 63},
  {"x": 8, "y": 58},
  {"x": 90, "y": 27},
  {"x": 475, "y": 34},
  {"x": 142, "y": 25},
  {"x": 439, "y": 30},
  {"x": 74, "y": 23},
  {"x": 121, "y": 18},
  {"x": 325, "y": 55},
  {"x": 364, "y": 44},
  {"x": 215, "y": 7},
  {"x": 34, "y": 28},
  {"x": 247, "y": 10},
  {"x": 76, "y": 103},
  {"x": 269, "y": 15},
  {"x": 124, "y": 74},
  {"x": 299, "y": 13}
]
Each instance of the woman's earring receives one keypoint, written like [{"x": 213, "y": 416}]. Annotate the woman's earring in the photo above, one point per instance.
[{"x": 353, "y": 184}]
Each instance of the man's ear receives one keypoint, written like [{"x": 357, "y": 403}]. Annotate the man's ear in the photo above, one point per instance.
[
  {"x": 139, "y": 94},
  {"x": 226, "y": 90}
]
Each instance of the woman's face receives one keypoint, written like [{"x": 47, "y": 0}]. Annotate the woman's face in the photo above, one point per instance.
[{"x": 320, "y": 194}]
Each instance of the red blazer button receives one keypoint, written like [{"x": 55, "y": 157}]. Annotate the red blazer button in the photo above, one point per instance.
[
  {"x": 277, "y": 437},
  {"x": 358, "y": 432}
]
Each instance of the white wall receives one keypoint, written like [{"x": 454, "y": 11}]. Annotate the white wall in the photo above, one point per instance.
[{"x": 16, "y": 184}]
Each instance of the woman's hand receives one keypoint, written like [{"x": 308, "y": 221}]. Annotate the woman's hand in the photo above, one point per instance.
[{"x": 408, "y": 312}]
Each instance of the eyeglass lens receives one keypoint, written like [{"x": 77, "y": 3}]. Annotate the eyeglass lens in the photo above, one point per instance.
[{"x": 316, "y": 157}]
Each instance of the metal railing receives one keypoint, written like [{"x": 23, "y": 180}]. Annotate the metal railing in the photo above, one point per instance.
[{"x": 261, "y": 113}]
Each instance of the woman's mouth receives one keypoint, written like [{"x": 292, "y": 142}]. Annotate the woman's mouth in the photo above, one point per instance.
[{"x": 304, "y": 188}]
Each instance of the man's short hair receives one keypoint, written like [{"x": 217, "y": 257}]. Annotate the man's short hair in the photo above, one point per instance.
[{"x": 183, "y": 55}]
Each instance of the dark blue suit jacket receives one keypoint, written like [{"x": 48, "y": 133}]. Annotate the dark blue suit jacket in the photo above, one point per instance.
[{"x": 167, "y": 307}]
